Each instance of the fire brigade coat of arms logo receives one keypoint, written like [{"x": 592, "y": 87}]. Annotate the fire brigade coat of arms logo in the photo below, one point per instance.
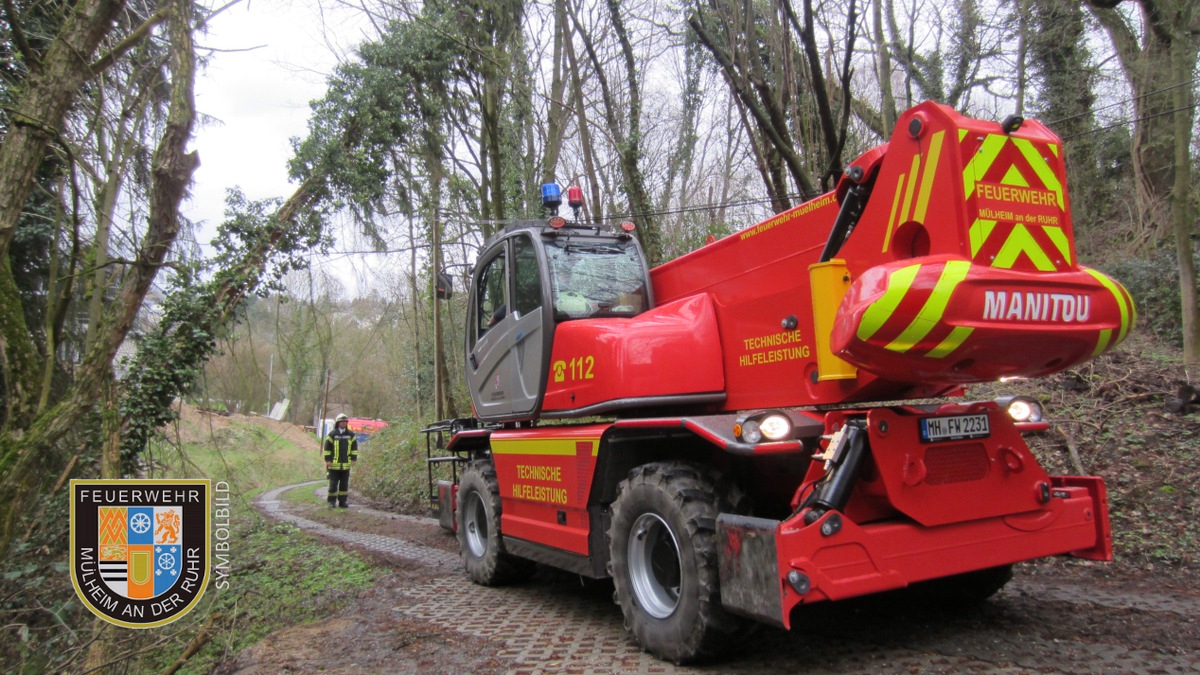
[{"x": 140, "y": 548}]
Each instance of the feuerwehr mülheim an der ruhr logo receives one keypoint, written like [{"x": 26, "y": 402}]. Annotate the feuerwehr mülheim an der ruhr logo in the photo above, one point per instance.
[{"x": 140, "y": 548}]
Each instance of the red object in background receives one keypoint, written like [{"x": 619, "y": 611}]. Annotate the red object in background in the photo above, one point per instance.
[{"x": 366, "y": 426}]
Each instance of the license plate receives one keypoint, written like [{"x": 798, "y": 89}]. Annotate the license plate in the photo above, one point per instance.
[{"x": 956, "y": 428}]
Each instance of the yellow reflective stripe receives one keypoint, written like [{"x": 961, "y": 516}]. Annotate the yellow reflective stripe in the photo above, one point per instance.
[
  {"x": 887, "y": 237},
  {"x": 982, "y": 161},
  {"x": 1041, "y": 168},
  {"x": 980, "y": 230},
  {"x": 1060, "y": 240},
  {"x": 962, "y": 133},
  {"x": 952, "y": 342},
  {"x": 1116, "y": 289},
  {"x": 881, "y": 310},
  {"x": 560, "y": 447},
  {"x": 935, "y": 306},
  {"x": 1102, "y": 341},
  {"x": 1053, "y": 148},
  {"x": 1021, "y": 241},
  {"x": 935, "y": 152},
  {"x": 911, "y": 188}
]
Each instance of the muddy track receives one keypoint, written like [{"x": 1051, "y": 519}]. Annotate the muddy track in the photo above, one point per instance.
[{"x": 1048, "y": 619}]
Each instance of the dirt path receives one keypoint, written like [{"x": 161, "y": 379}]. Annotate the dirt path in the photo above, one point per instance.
[{"x": 430, "y": 618}]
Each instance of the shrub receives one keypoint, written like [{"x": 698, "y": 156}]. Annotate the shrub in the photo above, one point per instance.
[
  {"x": 391, "y": 469},
  {"x": 1153, "y": 281}
]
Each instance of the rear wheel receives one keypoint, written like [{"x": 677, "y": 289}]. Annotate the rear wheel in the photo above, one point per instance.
[
  {"x": 479, "y": 540},
  {"x": 663, "y": 561}
]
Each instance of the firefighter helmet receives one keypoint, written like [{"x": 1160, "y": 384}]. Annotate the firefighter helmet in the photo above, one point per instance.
[{"x": 342, "y": 418}]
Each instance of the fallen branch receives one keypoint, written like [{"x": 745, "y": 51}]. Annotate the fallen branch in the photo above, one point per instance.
[
  {"x": 1072, "y": 451},
  {"x": 194, "y": 646}
]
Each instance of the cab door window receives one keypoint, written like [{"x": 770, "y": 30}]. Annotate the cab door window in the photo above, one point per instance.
[
  {"x": 527, "y": 291},
  {"x": 491, "y": 295}
]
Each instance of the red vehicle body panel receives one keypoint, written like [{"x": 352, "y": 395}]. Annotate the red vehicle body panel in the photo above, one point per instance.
[
  {"x": 671, "y": 350},
  {"x": 544, "y": 472}
]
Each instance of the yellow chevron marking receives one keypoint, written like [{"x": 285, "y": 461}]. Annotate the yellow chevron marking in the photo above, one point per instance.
[
  {"x": 1018, "y": 242},
  {"x": 1060, "y": 240},
  {"x": 1013, "y": 177},
  {"x": 881, "y": 310},
  {"x": 982, "y": 161},
  {"x": 1041, "y": 168},
  {"x": 962, "y": 133},
  {"x": 560, "y": 447},
  {"x": 935, "y": 306},
  {"x": 952, "y": 342},
  {"x": 911, "y": 188},
  {"x": 1126, "y": 310},
  {"x": 887, "y": 236},
  {"x": 935, "y": 153},
  {"x": 980, "y": 230},
  {"x": 1053, "y": 149},
  {"x": 1102, "y": 341}
]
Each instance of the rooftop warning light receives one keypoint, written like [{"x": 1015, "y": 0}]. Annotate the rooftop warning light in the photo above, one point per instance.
[
  {"x": 628, "y": 226},
  {"x": 551, "y": 197},
  {"x": 575, "y": 197}
]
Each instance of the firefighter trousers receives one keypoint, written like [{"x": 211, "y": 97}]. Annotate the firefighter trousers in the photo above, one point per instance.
[{"x": 339, "y": 487}]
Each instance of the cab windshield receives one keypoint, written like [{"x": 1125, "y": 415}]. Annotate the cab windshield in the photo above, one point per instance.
[{"x": 592, "y": 278}]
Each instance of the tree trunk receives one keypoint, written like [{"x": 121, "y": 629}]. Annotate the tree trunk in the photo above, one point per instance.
[
  {"x": 25, "y": 457},
  {"x": 1181, "y": 202}
]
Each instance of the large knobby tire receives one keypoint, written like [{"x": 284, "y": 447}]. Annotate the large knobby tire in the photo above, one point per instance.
[
  {"x": 663, "y": 560},
  {"x": 483, "y": 552}
]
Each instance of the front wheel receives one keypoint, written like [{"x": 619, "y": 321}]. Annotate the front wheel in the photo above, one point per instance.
[
  {"x": 483, "y": 552},
  {"x": 663, "y": 561}
]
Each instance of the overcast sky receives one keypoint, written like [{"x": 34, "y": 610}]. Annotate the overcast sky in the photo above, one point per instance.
[{"x": 271, "y": 59}]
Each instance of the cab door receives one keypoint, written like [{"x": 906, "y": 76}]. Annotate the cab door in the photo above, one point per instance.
[
  {"x": 506, "y": 354},
  {"x": 532, "y": 330}
]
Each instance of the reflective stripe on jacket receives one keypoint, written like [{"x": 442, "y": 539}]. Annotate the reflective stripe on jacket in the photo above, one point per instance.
[{"x": 341, "y": 448}]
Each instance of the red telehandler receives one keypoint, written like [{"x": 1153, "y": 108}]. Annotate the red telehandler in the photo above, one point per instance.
[{"x": 775, "y": 428}]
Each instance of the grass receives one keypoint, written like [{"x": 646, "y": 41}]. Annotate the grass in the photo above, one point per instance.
[
  {"x": 249, "y": 457},
  {"x": 280, "y": 576}
]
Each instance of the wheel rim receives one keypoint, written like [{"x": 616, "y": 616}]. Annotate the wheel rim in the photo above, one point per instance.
[
  {"x": 476, "y": 524},
  {"x": 654, "y": 565}
]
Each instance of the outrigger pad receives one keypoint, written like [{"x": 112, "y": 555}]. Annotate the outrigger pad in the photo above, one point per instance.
[
  {"x": 749, "y": 569},
  {"x": 445, "y": 505}
]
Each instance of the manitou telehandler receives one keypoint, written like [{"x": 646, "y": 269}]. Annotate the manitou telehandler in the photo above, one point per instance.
[{"x": 754, "y": 451}]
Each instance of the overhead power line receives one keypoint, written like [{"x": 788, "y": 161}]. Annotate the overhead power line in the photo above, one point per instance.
[{"x": 1122, "y": 102}]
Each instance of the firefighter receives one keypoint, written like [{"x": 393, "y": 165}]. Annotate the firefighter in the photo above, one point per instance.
[{"x": 341, "y": 451}]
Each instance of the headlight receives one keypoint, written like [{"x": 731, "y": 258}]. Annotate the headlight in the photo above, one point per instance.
[
  {"x": 1021, "y": 408},
  {"x": 768, "y": 426},
  {"x": 775, "y": 427},
  {"x": 751, "y": 433}
]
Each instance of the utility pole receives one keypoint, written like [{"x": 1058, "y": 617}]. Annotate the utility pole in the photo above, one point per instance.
[
  {"x": 324, "y": 404},
  {"x": 270, "y": 379}
]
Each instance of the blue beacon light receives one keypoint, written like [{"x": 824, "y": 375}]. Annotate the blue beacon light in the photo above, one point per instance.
[{"x": 551, "y": 197}]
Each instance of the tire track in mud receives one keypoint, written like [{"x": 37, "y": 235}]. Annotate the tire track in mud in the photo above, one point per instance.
[{"x": 555, "y": 624}]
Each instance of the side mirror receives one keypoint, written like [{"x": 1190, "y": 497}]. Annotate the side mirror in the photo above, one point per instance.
[{"x": 444, "y": 288}]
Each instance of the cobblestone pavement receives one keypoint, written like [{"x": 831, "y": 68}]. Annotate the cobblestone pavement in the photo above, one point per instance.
[{"x": 556, "y": 624}]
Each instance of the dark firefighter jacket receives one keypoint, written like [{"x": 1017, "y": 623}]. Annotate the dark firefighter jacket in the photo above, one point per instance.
[{"x": 341, "y": 448}]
